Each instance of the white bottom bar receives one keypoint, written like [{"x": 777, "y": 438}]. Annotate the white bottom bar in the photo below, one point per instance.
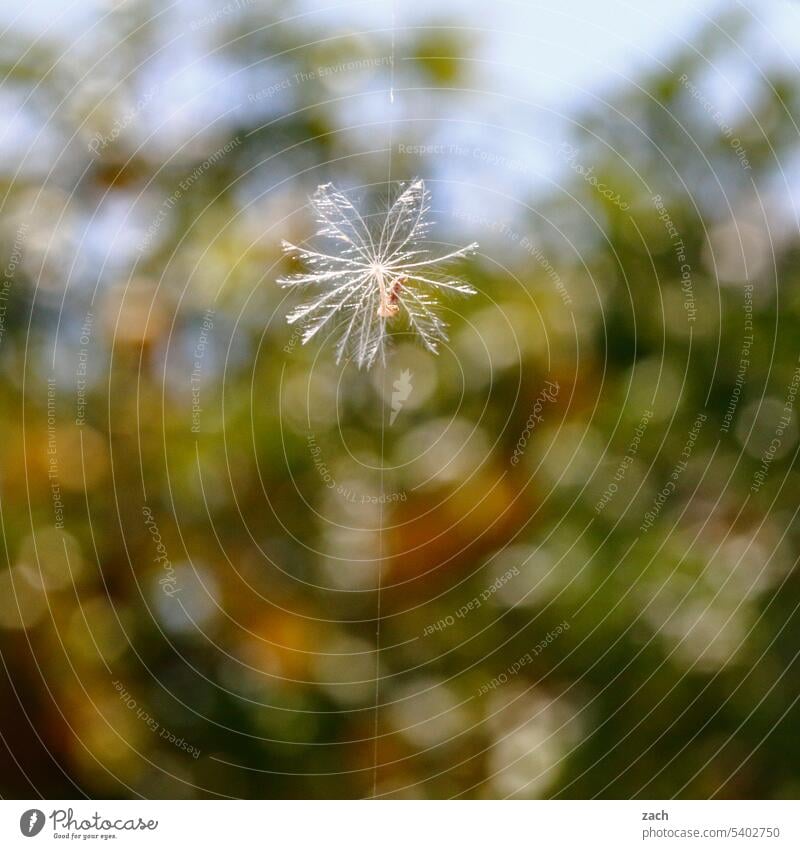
[{"x": 414, "y": 824}]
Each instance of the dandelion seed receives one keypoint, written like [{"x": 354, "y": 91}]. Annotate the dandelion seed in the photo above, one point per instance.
[{"x": 370, "y": 278}]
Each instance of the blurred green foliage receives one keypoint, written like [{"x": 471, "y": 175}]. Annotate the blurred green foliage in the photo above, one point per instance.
[{"x": 252, "y": 641}]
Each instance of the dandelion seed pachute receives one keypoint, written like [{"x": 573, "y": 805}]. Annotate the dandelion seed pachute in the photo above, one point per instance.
[
  {"x": 406, "y": 223},
  {"x": 368, "y": 277},
  {"x": 340, "y": 220}
]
